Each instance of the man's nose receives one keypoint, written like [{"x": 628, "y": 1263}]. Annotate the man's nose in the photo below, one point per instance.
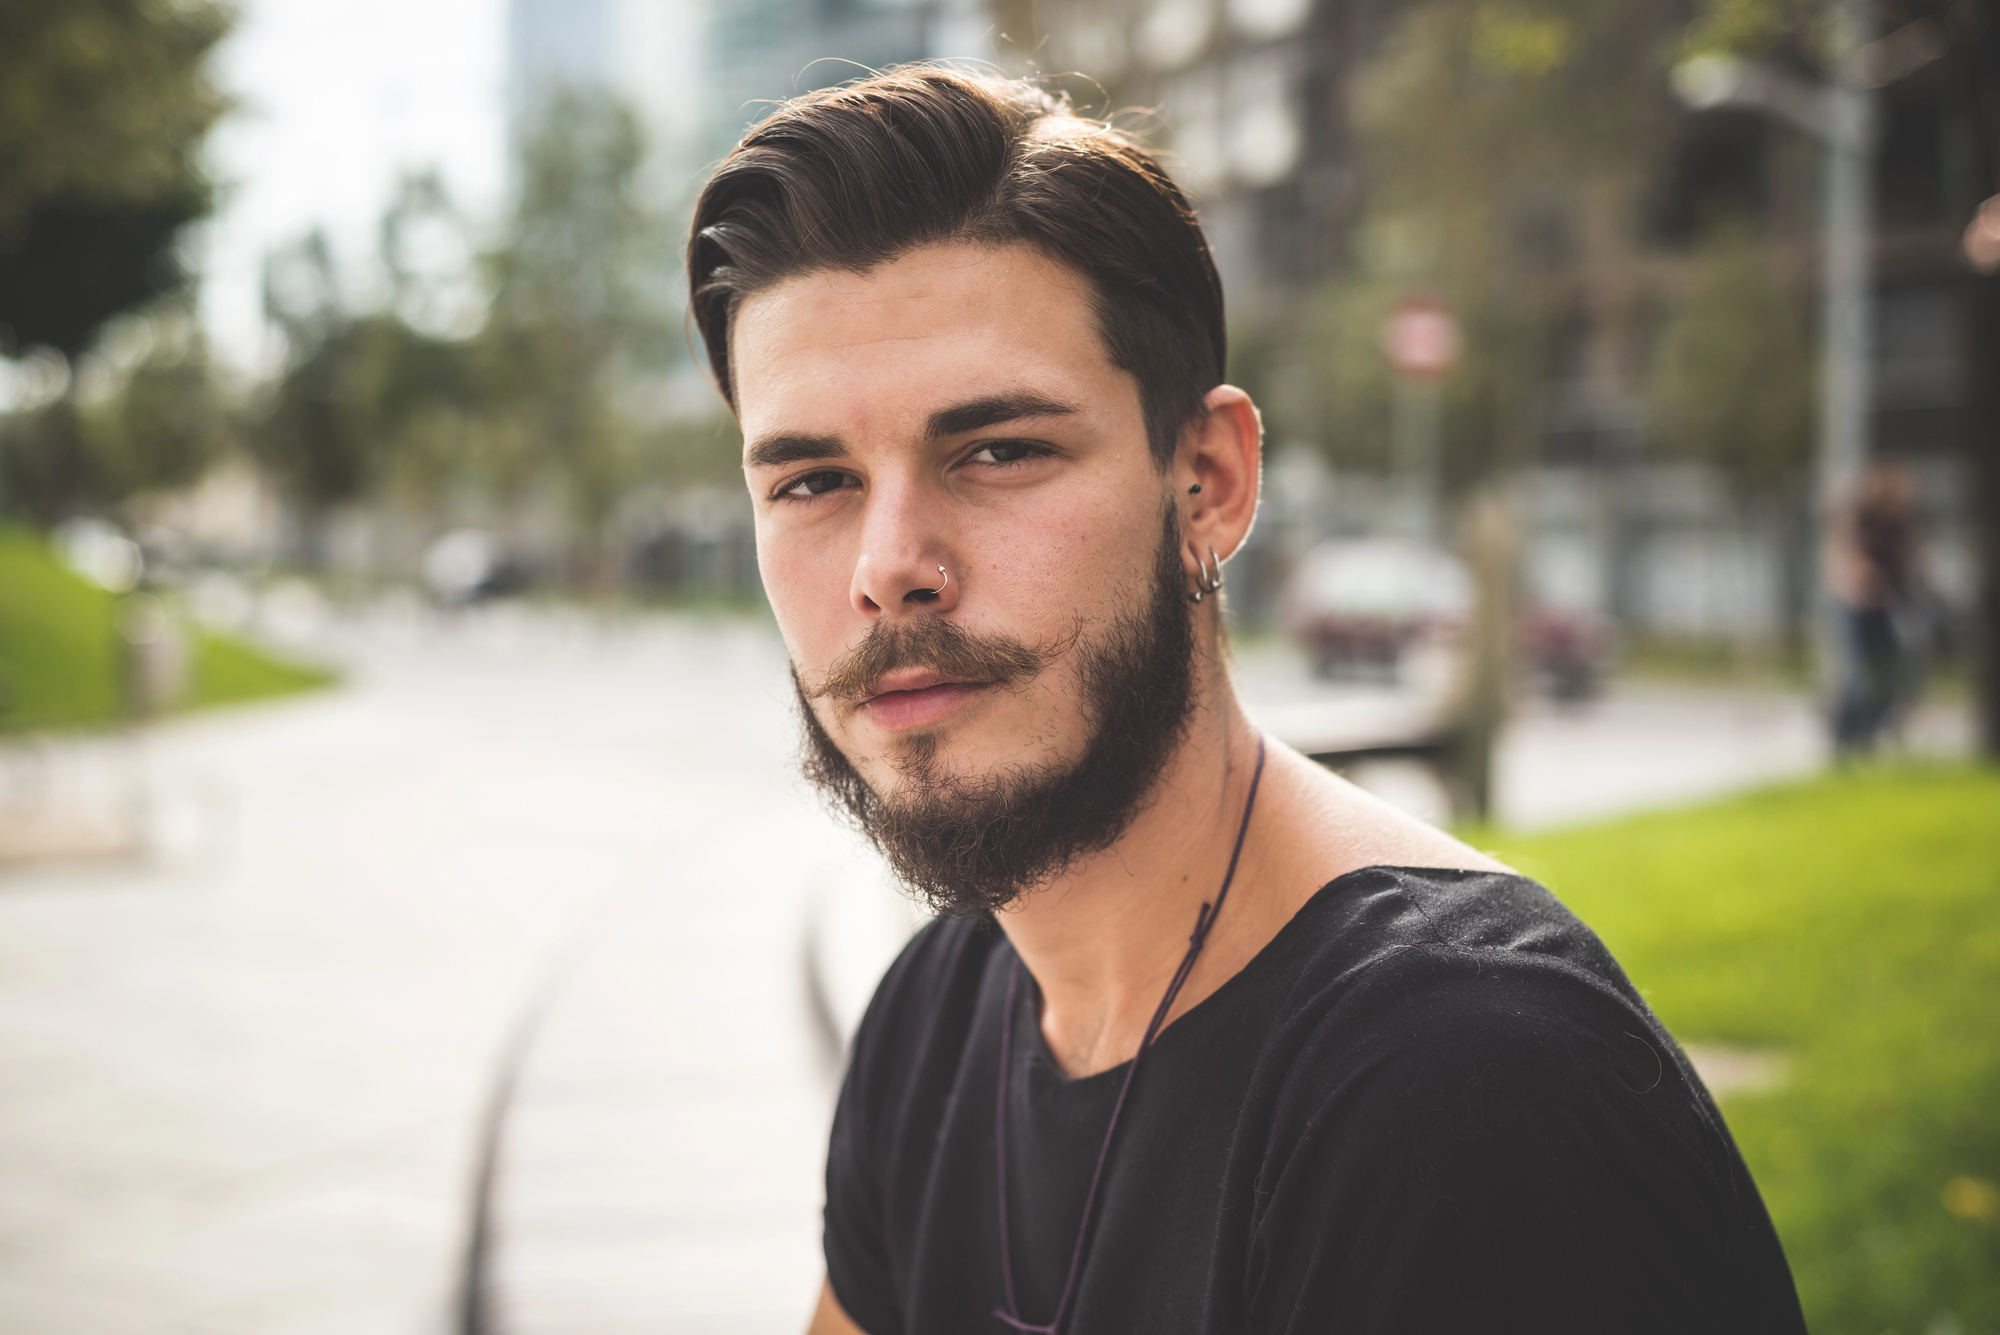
[{"x": 905, "y": 563}]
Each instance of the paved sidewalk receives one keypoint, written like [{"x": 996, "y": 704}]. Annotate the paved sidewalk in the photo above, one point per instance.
[{"x": 239, "y": 1082}]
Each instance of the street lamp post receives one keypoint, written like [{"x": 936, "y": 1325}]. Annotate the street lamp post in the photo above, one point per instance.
[
  {"x": 1840, "y": 114},
  {"x": 1422, "y": 341}
]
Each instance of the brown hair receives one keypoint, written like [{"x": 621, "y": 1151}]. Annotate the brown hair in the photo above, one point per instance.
[{"x": 855, "y": 176}]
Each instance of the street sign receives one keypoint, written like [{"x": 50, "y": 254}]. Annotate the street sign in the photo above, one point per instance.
[{"x": 1421, "y": 339}]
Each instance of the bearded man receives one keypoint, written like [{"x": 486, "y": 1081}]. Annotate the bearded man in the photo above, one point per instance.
[{"x": 1203, "y": 1039}]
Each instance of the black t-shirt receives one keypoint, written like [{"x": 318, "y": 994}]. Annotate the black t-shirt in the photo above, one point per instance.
[{"x": 1432, "y": 1103}]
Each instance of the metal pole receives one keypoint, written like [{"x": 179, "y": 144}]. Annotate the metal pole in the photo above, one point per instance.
[
  {"x": 1846, "y": 400},
  {"x": 1416, "y": 430},
  {"x": 1847, "y": 305}
]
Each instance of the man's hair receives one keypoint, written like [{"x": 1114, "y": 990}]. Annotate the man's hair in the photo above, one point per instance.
[{"x": 856, "y": 176}]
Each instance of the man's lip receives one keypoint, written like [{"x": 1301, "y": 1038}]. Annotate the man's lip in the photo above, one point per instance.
[{"x": 911, "y": 680}]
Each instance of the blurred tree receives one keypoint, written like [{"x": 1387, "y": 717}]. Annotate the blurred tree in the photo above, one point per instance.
[
  {"x": 1506, "y": 149},
  {"x": 1963, "y": 37},
  {"x": 146, "y": 415},
  {"x": 1973, "y": 57},
  {"x": 429, "y": 257},
  {"x": 1731, "y": 381},
  {"x": 359, "y": 399},
  {"x": 164, "y": 421},
  {"x": 46, "y": 469},
  {"x": 580, "y": 309},
  {"x": 310, "y": 432},
  {"x": 1731, "y": 386},
  {"x": 104, "y": 105}
]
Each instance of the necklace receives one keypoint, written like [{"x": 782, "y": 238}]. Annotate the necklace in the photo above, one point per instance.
[{"x": 1011, "y": 1313}]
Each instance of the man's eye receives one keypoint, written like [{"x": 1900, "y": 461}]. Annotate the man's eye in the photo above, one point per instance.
[
  {"x": 1006, "y": 451},
  {"x": 816, "y": 484}
]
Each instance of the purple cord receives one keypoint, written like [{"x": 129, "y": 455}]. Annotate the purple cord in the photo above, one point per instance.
[{"x": 1202, "y": 923}]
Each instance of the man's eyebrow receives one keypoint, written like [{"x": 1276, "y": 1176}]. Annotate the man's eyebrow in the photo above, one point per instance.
[
  {"x": 992, "y": 411},
  {"x": 794, "y": 447}
]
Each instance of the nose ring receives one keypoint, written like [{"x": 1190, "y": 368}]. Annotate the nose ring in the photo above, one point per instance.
[
  {"x": 940, "y": 588},
  {"x": 1206, "y": 582}
]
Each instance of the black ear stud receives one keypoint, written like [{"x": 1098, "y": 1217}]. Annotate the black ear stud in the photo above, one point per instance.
[{"x": 1196, "y": 488}]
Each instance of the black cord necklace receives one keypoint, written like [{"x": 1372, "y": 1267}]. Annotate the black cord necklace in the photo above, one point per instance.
[{"x": 1011, "y": 1313}]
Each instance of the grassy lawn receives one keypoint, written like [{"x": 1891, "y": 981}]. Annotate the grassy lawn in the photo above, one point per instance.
[
  {"x": 1852, "y": 922},
  {"x": 60, "y": 651}
]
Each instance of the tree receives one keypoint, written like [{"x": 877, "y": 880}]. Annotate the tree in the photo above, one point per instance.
[
  {"x": 1731, "y": 382},
  {"x": 162, "y": 421},
  {"x": 578, "y": 320},
  {"x": 355, "y": 404},
  {"x": 104, "y": 105},
  {"x": 1506, "y": 148}
]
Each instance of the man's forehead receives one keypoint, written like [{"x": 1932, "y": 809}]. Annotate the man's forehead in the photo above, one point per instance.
[{"x": 947, "y": 311}]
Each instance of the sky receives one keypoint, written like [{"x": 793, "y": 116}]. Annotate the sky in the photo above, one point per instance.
[{"x": 337, "y": 99}]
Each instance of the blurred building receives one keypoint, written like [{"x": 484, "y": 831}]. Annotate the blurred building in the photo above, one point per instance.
[
  {"x": 698, "y": 73},
  {"x": 1252, "y": 100},
  {"x": 1255, "y": 97},
  {"x": 702, "y": 71}
]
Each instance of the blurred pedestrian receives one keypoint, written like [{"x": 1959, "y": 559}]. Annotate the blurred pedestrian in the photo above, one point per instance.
[
  {"x": 975, "y": 343},
  {"x": 1873, "y": 570}
]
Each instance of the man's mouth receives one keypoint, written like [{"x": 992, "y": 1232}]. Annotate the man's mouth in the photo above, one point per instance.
[{"x": 914, "y": 698}]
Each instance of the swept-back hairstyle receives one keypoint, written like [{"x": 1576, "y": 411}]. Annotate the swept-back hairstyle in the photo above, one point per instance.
[{"x": 852, "y": 177}]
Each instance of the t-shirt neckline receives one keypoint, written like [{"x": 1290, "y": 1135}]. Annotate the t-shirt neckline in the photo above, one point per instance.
[{"x": 1038, "y": 1048}]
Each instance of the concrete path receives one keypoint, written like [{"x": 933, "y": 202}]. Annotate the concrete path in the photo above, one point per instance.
[{"x": 239, "y": 1082}]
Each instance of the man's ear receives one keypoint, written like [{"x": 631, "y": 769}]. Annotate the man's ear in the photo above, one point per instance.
[{"x": 1218, "y": 472}]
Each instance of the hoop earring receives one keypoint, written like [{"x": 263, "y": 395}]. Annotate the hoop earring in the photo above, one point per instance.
[{"x": 1206, "y": 582}]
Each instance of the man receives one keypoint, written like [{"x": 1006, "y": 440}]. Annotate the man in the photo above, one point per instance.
[
  {"x": 1872, "y": 565},
  {"x": 1203, "y": 1039}
]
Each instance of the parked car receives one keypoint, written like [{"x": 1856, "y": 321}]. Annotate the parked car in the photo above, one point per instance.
[
  {"x": 1569, "y": 651},
  {"x": 470, "y": 565},
  {"x": 1359, "y": 606},
  {"x": 1373, "y": 607}
]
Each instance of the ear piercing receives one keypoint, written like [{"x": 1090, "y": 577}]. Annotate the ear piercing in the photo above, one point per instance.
[
  {"x": 1195, "y": 490},
  {"x": 1206, "y": 582}
]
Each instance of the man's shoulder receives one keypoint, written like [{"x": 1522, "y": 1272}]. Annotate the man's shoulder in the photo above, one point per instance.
[
  {"x": 1417, "y": 927},
  {"x": 1382, "y": 953},
  {"x": 1473, "y": 1020},
  {"x": 1430, "y": 974},
  {"x": 1461, "y": 1063}
]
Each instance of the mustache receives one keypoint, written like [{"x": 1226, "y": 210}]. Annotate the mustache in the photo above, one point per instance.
[{"x": 935, "y": 643}]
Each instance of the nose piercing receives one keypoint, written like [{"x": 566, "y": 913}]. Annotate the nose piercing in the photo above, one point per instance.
[
  {"x": 1206, "y": 583},
  {"x": 940, "y": 588}
]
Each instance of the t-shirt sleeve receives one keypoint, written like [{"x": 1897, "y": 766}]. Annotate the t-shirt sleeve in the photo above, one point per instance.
[
  {"x": 1502, "y": 1144},
  {"x": 857, "y": 1254},
  {"x": 900, "y": 1025}
]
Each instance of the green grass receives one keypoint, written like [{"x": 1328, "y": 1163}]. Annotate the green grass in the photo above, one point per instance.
[
  {"x": 58, "y": 641},
  {"x": 228, "y": 671},
  {"x": 1853, "y": 922},
  {"x": 61, "y": 655}
]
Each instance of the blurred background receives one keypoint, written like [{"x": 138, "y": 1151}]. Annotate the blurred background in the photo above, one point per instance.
[{"x": 408, "y": 920}]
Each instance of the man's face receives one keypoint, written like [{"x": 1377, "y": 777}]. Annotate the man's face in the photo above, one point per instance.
[{"x": 955, "y": 408}]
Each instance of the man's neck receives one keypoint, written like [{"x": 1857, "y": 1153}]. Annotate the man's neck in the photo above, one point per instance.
[{"x": 1104, "y": 940}]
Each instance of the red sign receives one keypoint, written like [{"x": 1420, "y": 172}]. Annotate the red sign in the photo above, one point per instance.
[{"x": 1421, "y": 339}]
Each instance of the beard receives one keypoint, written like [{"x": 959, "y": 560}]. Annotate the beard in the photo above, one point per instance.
[{"x": 971, "y": 845}]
